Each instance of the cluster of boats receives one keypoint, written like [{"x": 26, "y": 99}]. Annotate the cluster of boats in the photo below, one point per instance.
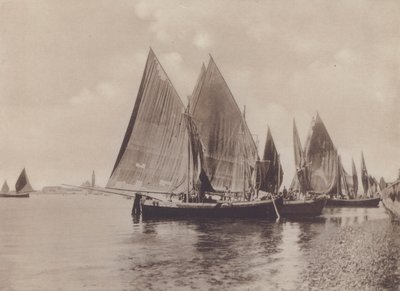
[
  {"x": 202, "y": 161},
  {"x": 22, "y": 187}
]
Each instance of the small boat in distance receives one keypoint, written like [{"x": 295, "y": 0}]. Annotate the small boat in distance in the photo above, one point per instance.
[{"x": 22, "y": 187}]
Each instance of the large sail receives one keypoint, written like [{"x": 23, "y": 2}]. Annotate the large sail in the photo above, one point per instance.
[
  {"x": 230, "y": 153},
  {"x": 154, "y": 153},
  {"x": 321, "y": 159},
  {"x": 22, "y": 184},
  {"x": 364, "y": 175},
  {"x": 274, "y": 174},
  {"x": 5, "y": 189},
  {"x": 355, "y": 177}
]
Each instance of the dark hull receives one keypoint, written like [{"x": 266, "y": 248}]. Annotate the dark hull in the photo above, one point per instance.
[
  {"x": 22, "y": 195},
  {"x": 254, "y": 209},
  {"x": 368, "y": 202},
  {"x": 391, "y": 199},
  {"x": 303, "y": 208}
]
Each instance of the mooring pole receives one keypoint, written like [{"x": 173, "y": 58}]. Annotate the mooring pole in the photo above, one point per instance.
[{"x": 136, "y": 204}]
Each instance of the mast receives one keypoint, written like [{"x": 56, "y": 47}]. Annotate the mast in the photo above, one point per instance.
[
  {"x": 93, "y": 179},
  {"x": 364, "y": 175},
  {"x": 355, "y": 177}
]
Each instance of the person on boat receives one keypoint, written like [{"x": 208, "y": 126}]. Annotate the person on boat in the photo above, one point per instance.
[{"x": 285, "y": 192}]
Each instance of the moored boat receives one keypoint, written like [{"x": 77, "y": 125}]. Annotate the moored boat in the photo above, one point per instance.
[
  {"x": 311, "y": 207},
  {"x": 367, "y": 202},
  {"x": 221, "y": 209},
  {"x": 391, "y": 199},
  {"x": 170, "y": 152}
]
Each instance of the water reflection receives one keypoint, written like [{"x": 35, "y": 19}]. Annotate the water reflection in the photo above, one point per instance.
[{"x": 87, "y": 242}]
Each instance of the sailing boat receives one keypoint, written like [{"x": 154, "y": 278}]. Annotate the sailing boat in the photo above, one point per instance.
[
  {"x": 22, "y": 187},
  {"x": 391, "y": 198},
  {"x": 347, "y": 186},
  {"x": 175, "y": 157},
  {"x": 316, "y": 165},
  {"x": 312, "y": 206}
]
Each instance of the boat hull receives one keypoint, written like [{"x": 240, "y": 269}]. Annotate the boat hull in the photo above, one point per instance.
[
  {"x": 253, "y": 209},
  {"x": 391, "y": 199},
  {"x": 20, "y": 195},
  {"x": 368, "y": 202},
  {"x": 303, "y": 208}
]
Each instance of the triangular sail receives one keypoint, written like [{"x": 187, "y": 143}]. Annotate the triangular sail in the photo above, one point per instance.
[
  {"x": 321, "y": 159},
  {"x": 5, "y": 189},
  {"x": 274, "y": 174},
  {"x": 154, "y": 155},
  {"x": 230, "y": 153},
  {"x": 23, "y": 184},
  {"x": 364, "y": 175},
  {"x": 355, "y": 177}
]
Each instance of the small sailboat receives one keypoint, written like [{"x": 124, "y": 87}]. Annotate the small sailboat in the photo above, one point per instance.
[
  {"x": 22, "y": 187},
  {"x": 180, "y": 159}
]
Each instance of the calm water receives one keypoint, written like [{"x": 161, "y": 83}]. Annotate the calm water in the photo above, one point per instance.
[{"x": 87, "y": 242}]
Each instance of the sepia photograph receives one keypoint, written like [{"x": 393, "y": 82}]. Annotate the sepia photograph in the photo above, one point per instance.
[{"x": 199, "y": 145}]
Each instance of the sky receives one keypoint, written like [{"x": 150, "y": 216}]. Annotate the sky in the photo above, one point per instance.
[{"x": 70, "y": 72}]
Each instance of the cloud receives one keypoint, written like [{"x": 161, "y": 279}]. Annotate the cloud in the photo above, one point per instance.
[
  {"x": 202, "y": 40},
  {"x": 102, "y": 92}
]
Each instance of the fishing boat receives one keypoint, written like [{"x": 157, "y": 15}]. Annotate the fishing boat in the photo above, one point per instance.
[
  {"x": 177, "y": 160},
  {"x": 308, "y": 207},
  {"x": 22, "y": 187},
  {"x": 390, "y": 194},
  {"x": 307, "y": 192},
  {"x": 347, "y": 187}
]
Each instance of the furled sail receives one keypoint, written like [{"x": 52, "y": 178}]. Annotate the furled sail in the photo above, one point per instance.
[
  {"x": 321, "y": 159},
  {"x": 22, "y": 184},
  {"x": 273, "y": 176},
  {"x": 339, "y": 181},
  {"x": 346, "y": 182},
  {"x": 5, "y": 189},
  {"x": 355, "y": 177},
  {"x": 382, "y": 183},
  {"x": 230, "y": 153},
  {"x": 154, "y": 153},
  {"x": 300, "y": 180},
  {"x": 364, "y": 175},
  {"x": 261, "y": 172}
]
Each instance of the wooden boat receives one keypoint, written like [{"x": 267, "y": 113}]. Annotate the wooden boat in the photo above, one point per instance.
[
  {"x": 367, "y": 202},
  {"x": 222, "y": 209},
  {"x": 347, "y": 187},
  {"x": 22, "y": 187},
  {"x": 168, "y": 150},
  {"x": 391, "y": 199},
  {"x": 295, "y": 208}
]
